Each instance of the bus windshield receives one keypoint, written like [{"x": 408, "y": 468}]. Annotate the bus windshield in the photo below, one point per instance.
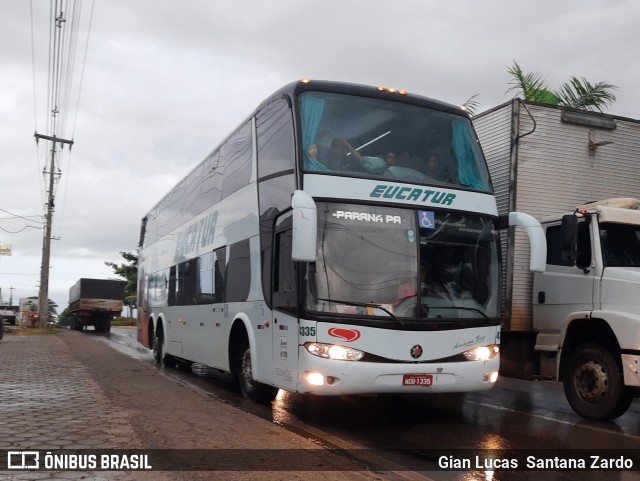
[
  {"x": 403, "y": 263},
  {"x": 368, "y": 137}
]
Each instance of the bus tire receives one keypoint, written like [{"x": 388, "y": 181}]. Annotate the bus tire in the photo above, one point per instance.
[
  {"x": 251, "y": 389},
  {"x": 593, "y": 384},
  {"x": 159, "y": 352}
]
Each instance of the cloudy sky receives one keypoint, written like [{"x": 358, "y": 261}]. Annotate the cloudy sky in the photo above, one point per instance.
[{"x": 165, "y": 81}]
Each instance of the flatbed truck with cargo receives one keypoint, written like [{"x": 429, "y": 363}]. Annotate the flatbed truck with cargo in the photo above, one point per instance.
[{"x": 95, "y": 302}]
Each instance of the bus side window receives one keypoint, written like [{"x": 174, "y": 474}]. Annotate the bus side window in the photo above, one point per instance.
[
  {"x": 235, "y": 161},
  {"x": 276, "y": 153},
  {"x": 284, "y": 269},
  {"x": 219, "y": 274},
  {"x": 172, "y": 286},
  {"x": 187, "y": 285},
  {"x": 238, "y": 272},
  {"x": 204, "y": 281},
  {"x": 276, "y": 144}
]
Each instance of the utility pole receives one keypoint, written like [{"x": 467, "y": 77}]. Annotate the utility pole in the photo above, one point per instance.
[{"x": 43, "y": 298}]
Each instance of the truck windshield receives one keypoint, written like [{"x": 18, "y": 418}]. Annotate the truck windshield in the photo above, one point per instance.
[
  {"x": 620, "y": 245},
  {"x": 368, "y": 137},
  {"x": 414, "y": 264}
]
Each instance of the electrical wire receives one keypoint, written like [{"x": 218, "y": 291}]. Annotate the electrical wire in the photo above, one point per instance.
[
  {"x": 33, "y": 68},
  {"x": 84, "y": 62},
  {"x": 65, "y": 18},
  {"x": 18, "y": 231},
  {"x": 22, "y": 217}
]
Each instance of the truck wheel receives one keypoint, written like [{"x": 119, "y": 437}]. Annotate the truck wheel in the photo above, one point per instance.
[
  {"x": 159, "y": 352},
  {"x": 251, "y": 389},
  {"x": 594, "y": 385}
]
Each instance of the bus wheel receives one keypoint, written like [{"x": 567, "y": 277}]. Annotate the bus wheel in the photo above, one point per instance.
[
  {"x": 593, "y": 384},
  {"x": 159, "y": 352},
  {"x": 251, "y": 389},
  {"x": 158, "y": 345}
]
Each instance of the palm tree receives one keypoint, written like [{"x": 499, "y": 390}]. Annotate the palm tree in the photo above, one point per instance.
[
  {"x": 577, "y": 93},
  {"x": 472, "y": 105}
]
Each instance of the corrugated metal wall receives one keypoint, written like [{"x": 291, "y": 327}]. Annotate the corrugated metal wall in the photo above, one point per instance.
[
  {"x": 555, "y": 172},
  {"x": 494, "y": 131}
]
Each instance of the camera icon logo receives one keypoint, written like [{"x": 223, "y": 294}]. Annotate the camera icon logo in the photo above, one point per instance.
[{"x": 23, "y": 459}]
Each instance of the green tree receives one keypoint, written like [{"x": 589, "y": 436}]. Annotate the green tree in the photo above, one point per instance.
[
  {"x": 53, "y": 308},
  {"x": 64, "y": 319},
  {"x": 577, "y": 93},
  {"x": 128, "y": 271}
]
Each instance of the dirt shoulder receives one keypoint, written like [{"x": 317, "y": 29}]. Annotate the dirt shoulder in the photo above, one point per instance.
[{"x": 165, "y": 414}]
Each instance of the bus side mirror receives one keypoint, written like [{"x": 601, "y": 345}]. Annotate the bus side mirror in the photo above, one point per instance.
[
  {"x": 537, "y": 240},
  {"x": 569, "y": 233},
  {"x": 305, "y": 227}
]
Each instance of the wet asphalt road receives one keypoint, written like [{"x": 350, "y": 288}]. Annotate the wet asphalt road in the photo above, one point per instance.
[{"x": 516, "y": 415}]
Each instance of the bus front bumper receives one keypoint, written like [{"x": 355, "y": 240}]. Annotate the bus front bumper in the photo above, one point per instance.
[{"x": 329, "y": 377}]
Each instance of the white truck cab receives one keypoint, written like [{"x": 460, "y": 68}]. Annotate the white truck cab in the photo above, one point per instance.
[{"x": 586, "y": 306}]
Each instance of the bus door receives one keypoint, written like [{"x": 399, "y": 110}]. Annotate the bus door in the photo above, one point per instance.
[{"x": 285, "y": 308}]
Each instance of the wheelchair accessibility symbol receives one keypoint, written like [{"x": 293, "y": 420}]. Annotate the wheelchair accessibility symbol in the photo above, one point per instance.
[{"x": 426, "y": 219}]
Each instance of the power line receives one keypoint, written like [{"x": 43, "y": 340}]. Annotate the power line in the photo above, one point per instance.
[
  {"x": 84, "y": 63},
  {"x": 33, "y": 67},
  {"x": 25, "y": 217},
  {"x": 64, "y": 25},
  {"x": 18, "y": 231}
]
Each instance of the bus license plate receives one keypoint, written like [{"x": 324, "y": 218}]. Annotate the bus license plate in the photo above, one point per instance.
[{"x": 417, "y": 380}]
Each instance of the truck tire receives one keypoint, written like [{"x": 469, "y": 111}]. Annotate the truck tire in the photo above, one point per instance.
[
  {"x": 251, "y": 389},
  {"x": 159, "y": 352},
  {"x": 593, "y": 384},
  {"x": 75, "y": 324},
  {"x": 103, "y": 326}
]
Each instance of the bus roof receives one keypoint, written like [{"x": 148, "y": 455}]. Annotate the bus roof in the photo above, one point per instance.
[{"x": 382, "y": 92}]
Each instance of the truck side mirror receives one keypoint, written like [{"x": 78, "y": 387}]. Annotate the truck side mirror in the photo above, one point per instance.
[
  {"x": 569, "y": 233},
  {"x": 305, "y": 227}
]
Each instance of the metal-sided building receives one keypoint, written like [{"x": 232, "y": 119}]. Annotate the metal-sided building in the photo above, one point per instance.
[{"x": 546, "y": 160}]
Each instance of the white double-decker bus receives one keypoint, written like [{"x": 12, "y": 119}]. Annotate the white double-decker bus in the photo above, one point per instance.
[{"x": 343, "y": 240}]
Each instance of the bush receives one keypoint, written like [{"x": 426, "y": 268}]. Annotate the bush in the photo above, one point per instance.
[{"x": 123, "y": 321}]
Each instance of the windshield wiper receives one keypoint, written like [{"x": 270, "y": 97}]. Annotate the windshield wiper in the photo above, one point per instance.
[
  {"x": 395, "y": 318},
  {"x": 464, "y": 308}
]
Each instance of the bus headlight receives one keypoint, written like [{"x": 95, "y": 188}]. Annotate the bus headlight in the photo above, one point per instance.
[
  {"x": 483, "y": 353},
  {"x": 333, "y": 351}
]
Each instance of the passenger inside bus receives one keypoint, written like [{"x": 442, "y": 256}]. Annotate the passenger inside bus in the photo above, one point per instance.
[
  {"x": 311, "y": 161},
  {"x": 391, "y": 159},
  {"x": 342, "y": 156},
  {"x": 433, "y": 166}
]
